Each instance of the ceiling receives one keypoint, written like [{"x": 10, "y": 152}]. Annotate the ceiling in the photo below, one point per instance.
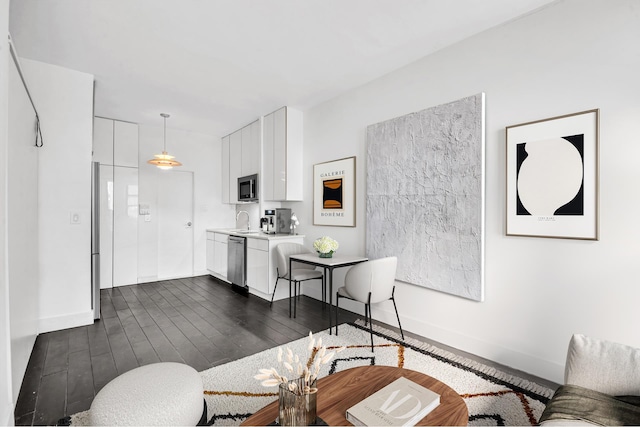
[{"x": 216, "y": 65}]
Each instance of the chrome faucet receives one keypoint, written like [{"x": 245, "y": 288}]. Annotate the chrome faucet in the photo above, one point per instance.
[{"x": 248, "y": 222}]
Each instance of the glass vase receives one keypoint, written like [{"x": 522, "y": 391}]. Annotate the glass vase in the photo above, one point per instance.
[
  {"x": 297, "y": 408},
  {"x": 326, "y": 254}
]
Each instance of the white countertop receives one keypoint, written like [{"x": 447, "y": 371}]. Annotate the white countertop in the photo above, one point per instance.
[{"x": 254, "y": 234}]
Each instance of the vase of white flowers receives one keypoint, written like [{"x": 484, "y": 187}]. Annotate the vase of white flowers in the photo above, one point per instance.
[
  {"x": 297, "y": 409},
  {"x": 297, "y": 397},
  {"x": 325, "y": 246}
]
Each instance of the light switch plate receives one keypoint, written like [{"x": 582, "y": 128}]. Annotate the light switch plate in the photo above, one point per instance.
[{"x": 74, "y": 218}]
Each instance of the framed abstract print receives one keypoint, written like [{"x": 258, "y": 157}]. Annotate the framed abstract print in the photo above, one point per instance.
[
  {"x": 334, "y": 193},
  {"x": 552, "y": 177}
]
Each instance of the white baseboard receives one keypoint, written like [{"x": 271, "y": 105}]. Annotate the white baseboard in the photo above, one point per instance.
[
  {"x": 65, "y": 322},
  {"x": 260, "y": 294},
  {"x": 496, "y": 353},
  {"x": 149, "y": 279},
  {"x": 491, "y": 351}
]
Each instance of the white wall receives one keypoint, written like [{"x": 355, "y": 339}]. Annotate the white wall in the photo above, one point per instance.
[
  {"x": 22, "y": 227},
  {"x": 572, "y": 56},
  {"x": 64, "y": 99},
  {"x": 199, "y": 154},
  {"x": 6, "y": 400}
]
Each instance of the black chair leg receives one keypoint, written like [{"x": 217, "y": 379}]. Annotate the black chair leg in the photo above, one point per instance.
[
  {"x": 398, "y": 317},
  {"x": 337, "y": 309},
  {"x": 370, "y": 319},
  {"x": 290, "y": 298},
  {"x": 295, "y": 298},
  {"x": 274, "y": 291},
  {"x": 366, "y": 315}
]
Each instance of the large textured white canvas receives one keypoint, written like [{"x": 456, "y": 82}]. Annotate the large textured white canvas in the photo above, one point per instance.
[{"x": 425, "y": 196}]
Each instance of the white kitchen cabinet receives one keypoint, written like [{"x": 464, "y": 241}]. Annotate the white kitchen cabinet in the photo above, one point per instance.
[
  {"x": 125, "y": 226},
  {"x": 261, "y": 260},
  {"x": 240, "y": 157},
  {"x": 258, "y": 265},
  {"x": 235, "y": 164},
  {"x": 246, "y": 153},
  {"x": 250, "y": 149},
  {"x": 106, "y": 226},
  {"x": 103, "y": 141},
  {"x": 115, "y": 147},
  {"x": 262, "y": 263},
  {"x": 115, "y": 142},
  {"x": 125, "y": 144},
  {"x": 267, "y": 162},
  {"x": 220, "y": 255},
  {"x": 224, "y": 167},
  {"x": 254, "y": 152},
  {"x": 211, "y": 258},
  {"x": 282, "y": 155}
]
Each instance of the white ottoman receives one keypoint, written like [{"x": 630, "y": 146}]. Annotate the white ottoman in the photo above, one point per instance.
[{"x": 154, "y": 395}]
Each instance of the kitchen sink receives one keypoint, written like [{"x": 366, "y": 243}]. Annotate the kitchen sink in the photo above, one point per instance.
[{"x": 247, "y": 232}]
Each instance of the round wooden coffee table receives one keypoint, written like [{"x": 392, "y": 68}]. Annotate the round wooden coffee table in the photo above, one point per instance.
[{"x": 342, "y": 390}]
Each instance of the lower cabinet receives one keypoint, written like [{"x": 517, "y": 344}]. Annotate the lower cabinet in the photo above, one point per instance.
[
  {"x": 258, "y": 265},
  {"x": 217, "y": 254},
  {"x": 262, "y": 260},
  {"x": 262, "y": 263},
  {"x": 210, "y": 251}
]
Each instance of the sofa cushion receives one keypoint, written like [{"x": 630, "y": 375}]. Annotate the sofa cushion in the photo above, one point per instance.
[
  {"x": 573, "y": 404},
  {"x": 603, "y": 366}
]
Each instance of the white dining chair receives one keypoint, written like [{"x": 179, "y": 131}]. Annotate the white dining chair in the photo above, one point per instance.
[
  {"x": 370, "y": 282},
  {"x": 299, "y": 272}
]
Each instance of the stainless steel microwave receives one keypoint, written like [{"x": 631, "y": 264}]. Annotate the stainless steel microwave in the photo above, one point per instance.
[{"x": 248, "y": 188}]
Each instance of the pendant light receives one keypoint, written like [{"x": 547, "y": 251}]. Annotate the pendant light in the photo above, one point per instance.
[{"x": 164, "y": 161}]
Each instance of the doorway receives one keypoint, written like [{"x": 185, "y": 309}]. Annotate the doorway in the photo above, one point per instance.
[{"x": 175, "y": 224}]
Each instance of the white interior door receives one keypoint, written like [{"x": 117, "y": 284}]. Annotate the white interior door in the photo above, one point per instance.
[{"x": 175, "y": 224}]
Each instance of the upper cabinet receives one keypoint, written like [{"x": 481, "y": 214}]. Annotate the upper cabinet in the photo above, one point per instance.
[
  {"x": 115, "y": 142},
  {"x": 226, "y": 188},
  {"x": 125, "y": 144},
  {"x": 251, "y": 149},
  {"x": 240, "y": 157},
  {"x": 235, "y": 164},
  {"x": 282, "y": 161},
  {"x": 277, "y": 140},
  {"x": 103, "y": 141}
]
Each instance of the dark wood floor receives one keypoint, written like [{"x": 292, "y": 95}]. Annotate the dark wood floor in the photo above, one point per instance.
[{"x": 198, "y": 321}]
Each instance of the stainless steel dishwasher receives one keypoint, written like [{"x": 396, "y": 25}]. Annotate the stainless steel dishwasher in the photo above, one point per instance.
[{"x": 236, "y": 263}]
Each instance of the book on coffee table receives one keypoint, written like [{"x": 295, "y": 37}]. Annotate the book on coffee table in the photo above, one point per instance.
[{"x": 401, "y": 403}]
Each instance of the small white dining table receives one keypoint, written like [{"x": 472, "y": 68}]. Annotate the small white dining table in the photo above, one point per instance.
[{"x": 328, "y": 265}]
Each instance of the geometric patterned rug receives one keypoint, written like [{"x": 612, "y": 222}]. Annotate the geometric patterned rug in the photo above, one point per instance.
[{"x": 492, "y": 397}]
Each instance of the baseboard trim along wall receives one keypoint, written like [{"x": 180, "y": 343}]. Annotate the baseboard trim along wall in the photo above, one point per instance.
[
  {"x": 57, "y": 323},
  {"x": 499, "y": 354},
  {"x": 502, "y": 355}
]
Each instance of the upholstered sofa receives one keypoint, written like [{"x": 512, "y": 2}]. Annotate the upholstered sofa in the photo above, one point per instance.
[{"x": 602, "y": 385}]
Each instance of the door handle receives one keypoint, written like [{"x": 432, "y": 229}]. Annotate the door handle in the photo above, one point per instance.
[{"x": 189, "y": 224}]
